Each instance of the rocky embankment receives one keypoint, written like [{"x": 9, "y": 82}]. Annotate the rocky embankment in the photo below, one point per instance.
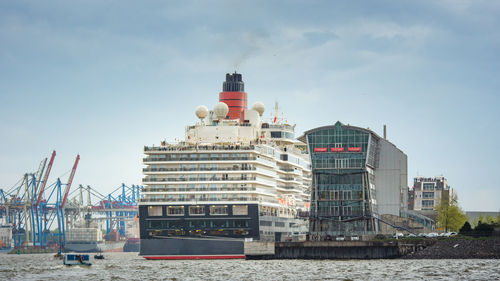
[{"x": 459, "y": 249}]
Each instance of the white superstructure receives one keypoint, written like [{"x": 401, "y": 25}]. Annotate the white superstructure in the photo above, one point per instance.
[{"x": 226, "y": 162}]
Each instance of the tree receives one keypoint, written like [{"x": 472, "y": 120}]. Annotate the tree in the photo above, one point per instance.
[
  {"x": 489, "y": 219},
  {"x": 450, "y": 217},
  {"x": 480, "y": 219}
]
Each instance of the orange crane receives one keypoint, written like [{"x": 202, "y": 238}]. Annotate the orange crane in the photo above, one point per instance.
[
  {"x": 68, "y": 186},
  {"x": 45, "y": 178}
]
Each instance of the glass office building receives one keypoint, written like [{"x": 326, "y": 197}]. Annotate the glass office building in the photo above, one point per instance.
[{"x": 350, "y": 166}]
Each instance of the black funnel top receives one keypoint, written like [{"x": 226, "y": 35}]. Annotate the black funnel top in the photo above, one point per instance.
[{"x": 233, "y": 83}]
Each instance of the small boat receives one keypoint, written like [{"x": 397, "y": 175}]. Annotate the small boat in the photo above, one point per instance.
[
  {"x": 99, "y": 257},
  {"x": 72, "y": 259}
]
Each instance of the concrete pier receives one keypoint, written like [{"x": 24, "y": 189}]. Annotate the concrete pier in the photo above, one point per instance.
[{"x": 333, "y": 249}]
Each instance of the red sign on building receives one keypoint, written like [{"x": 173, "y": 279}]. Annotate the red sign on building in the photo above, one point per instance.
[
  {"x": 337, "y": 149},
  {"x": 354, "y": 149},
  {"x": 320, "y": 149}
]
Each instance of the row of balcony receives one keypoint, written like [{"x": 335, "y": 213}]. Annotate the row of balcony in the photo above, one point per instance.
[
  {"x": 151, "y": 159},
  {"x": 207, "y": 179},
  {"x": 199, "y": 169},
  {"x": 259, "y": 199},
  {"x": 203, "y": 189},
  {"x": 200, "y": 148}
]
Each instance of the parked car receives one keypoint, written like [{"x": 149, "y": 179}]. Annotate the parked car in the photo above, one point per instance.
[
  {"x": 340, "y": 238},
  {"x": 354, "y": 238},
  {"x": 449, "y": 234},
  {"x": 411, "y": 235},
  {"x": 431, "y": 235},
  {"x": 398, "y": 235}
]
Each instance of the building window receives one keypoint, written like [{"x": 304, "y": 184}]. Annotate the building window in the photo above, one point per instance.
[
  {"x": 240, "y": 210},
  {"x": 219, "y": 210},
  {"x": 346, "y": 195},
  {"x": 346, "y": 210},
  {"x": 196, "y": 210},
  {"x": 155, "y": 211},
  {"x": 427, "y": 203},
  {"x": 428, "y": 195},
  {"x": 175, "y": 210},
  {"x": 428, "y": 186}
]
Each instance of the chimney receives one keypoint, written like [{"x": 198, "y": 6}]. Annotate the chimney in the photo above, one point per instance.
[{"x": 385, "y": 132}]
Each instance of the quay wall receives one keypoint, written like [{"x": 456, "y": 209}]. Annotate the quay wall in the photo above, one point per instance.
[{"x": 334, "y": 249}]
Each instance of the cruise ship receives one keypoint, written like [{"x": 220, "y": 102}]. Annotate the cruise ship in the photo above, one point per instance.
[{"x": 236, "y": 177}]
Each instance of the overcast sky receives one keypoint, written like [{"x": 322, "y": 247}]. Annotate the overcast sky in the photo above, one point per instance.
[{"x": 105, "y": 78}]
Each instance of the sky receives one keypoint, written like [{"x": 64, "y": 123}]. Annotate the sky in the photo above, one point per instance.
[{"x": 104, "y": 78}]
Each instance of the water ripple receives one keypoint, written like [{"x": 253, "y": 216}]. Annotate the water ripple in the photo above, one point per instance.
[{"x": 128, "y": 266}]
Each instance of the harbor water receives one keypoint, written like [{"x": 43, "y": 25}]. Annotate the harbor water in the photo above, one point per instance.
[{"x": 129, "y": 266}]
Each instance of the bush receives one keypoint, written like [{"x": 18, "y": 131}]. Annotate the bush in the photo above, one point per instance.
[{"x": 465, "y": 229}]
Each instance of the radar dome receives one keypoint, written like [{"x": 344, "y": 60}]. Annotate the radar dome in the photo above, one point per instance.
[
  {"x": 221, "y": 109},
  {"x": 201, "y": 111},
  {"x": 259, "y": 107}
]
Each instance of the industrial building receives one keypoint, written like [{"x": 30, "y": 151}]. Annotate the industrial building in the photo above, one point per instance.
[{"x": 359, "y": 182}]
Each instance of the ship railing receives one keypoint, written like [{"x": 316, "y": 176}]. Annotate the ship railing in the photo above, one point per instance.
[
  {"x": 198, "y": 169},
  {"x": 150, "y": 159},
  {"x": 287, "y": 178},
  {"x": 198, "y": 199},
  {"x": 199, "y": 148},
  {"x": 289, "y": 187},
  {"x": 155, "y": 189},
  {"x": 192, "y": 179}
]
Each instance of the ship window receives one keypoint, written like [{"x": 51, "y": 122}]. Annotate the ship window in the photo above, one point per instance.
[
  {"x": 240, "y": 223},
  {"x": 279, "y": 224},
  {"x": 154, "y": 211},
  {"x": 240, "y": 210},
  {"x": 175, "y": 224},
  {"x": 175, "y": 210},
  {"x": 196, "y": 210},
  {"x": 155, "y": 224},
  {"x": 275, "y": 134},
  {"x": 197, "y": 224},
  {"x": 266, "y": 223},
  {"x": 220, "y": 223},
  {"x": 218, "y": 210}
]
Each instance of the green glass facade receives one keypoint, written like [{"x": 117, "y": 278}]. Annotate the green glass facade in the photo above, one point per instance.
[{"x": 341, "y": 200}]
